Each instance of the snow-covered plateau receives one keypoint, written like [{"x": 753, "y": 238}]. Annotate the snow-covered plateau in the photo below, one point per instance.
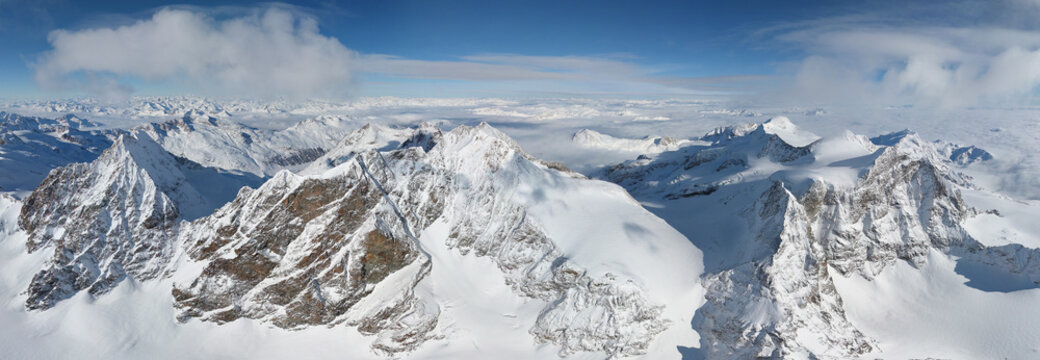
[{"x": 173, "y": 228}]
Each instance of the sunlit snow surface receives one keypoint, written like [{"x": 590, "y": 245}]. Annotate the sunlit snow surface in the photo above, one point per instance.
[{"x": 912, "y": 312}]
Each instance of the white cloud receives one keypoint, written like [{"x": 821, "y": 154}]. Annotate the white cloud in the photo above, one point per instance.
[
  {"x": 278, "y": 52},
  {"x": 940, "y": 66},
  {"x": 270, "y": 53}
]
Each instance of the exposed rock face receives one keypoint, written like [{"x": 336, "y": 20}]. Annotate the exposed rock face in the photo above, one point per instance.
[
  {"x": 296, "y": 157},
  {"x": 105, "y": 220},
  {"x": 113, "y": 218},
  {"x": 343, "y": 243},
  {"x": 297, "y": 251},
  {"x": 316, "y": 250},
  {"x": 775, "y": 296}
]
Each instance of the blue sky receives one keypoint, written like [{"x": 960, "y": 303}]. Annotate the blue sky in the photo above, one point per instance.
[{"x": 899, "y": 51}]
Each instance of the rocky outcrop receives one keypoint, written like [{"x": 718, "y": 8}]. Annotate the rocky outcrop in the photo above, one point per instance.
[
  {"x": 296, "y": 157},
  {"x": 295, "y": 251},
  {"x": 105, "y": 221},
  {"x": 779, "y": 299},
  {"x": 113, "y": 218}
]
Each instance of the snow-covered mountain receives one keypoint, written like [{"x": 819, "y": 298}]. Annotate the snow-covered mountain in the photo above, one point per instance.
[
  {"x": 116, "y": 216},
  {"x": 35, "y": 145},
  {"x": 791, "y": 213},
  {"x": 651, "y": 144},
  {"x": 31, "y": 146},
  {"x": 222, "y": 143},
  {"x": 332, "y": 239},
  {"x": 370, "y": 244},
  {"x": 374, "y": 137}
]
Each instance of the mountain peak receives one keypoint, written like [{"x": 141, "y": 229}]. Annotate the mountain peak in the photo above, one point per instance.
[
  {"x": 138, "y": 193},
  {"x": 135, "y": 143},
  {"x": 136, "y": 154},
  {"x": 893, "y": 138},
  {"x": 76, "y": 122},
  {"x": 725, "y": 133},
  {"x": 790, "y": 133},
  {"x": 196, "y": 116},
  {"x": 482, "y": 133},
  {"x": 589, "y": 138},
  {"x": 124, "y": 191}
]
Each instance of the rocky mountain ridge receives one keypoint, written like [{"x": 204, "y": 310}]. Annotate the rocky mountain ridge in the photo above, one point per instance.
[
  {"x": 845, "y": 205},
  {"x": 114, "y": 217},
  {"x": 345, "y": 247}
]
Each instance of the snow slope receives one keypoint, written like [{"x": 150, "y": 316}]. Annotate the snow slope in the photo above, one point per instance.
[
  {"x": 927, "y": 311},
  {"x": 650, "y": 144}
]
